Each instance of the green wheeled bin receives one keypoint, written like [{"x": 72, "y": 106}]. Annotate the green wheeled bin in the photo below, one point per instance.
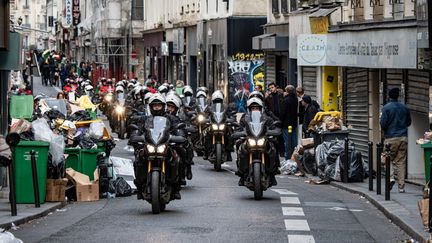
[
  {"x": 73, "y": 158},
  {"x": 23, "y": 170},
  {"x": 21, "y": 107},
  {"x": 88, "y": 161},
  {"x": 427, "y": 149}
]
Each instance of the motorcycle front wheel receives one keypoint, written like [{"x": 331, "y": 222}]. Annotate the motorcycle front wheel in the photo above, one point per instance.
[
  {"x": 218, "y": 162},
  {"x": 122, "y": 129},
  {"x": 258, "y": 192},
  {"x": 155, "y": 192}
]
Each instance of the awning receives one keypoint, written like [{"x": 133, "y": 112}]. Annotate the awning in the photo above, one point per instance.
[
  {"x": 322, "y": 12},
  {"x": 270, "y": 42}
]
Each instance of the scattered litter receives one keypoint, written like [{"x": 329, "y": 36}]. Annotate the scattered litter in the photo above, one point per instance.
[
  {"x": 361, "y": 197},
  {"x": 8, "y": 237},
  {"x": 14, "y": 227},
  {"x": 61, "y": 210},
  {"x": 116, "y": 139},
  {"x": 128, "y": 148},
  {"x": 317, "y": 182},
  {"x": 288, "y": 167},
  {"x": 50, "y": 213}
]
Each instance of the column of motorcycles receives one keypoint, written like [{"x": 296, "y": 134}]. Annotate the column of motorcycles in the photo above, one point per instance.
[{"x": 165, "y": 129}]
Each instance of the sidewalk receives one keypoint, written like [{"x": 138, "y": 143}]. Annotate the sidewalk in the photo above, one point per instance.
[
  {"x": 25, "y": 212},
  {"x": 402, "y": 208}
]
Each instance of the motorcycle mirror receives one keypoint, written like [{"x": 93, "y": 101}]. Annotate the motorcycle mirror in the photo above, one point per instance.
[
  {"x": 277, "y": 123},
  {"x": 181, "y": 126},
  {"x": 177, "y": 139},
  {"x": 191, "y": 113},
  {"x": 137, "y": 139},
  {"x": 274, "y": 132},
  {"x": 13, "y": 139},
  {"x": 132, "y": 127}
]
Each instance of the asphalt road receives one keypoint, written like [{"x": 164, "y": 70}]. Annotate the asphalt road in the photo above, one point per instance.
[{"x": 214, "y": 209}]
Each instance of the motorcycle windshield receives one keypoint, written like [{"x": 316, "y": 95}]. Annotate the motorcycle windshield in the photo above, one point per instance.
[
  {"x": 157, "y": 132},
  {"x": 120, "y": 96},
  {"x": 256, "y": 126},
  {"x": 202, "y": 104},
  {"x": 188, "y": 100}
]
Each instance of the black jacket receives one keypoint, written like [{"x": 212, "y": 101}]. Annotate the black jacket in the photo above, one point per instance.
[
  {"x": 309, "y": 115},
  {"x": 277, "y": 111},
  {"x": 290, "y": 111}
]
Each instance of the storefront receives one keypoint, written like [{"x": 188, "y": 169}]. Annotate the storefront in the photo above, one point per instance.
[
  {"x": 370, "y": 63},
  {"x": 153, "y": 61}
]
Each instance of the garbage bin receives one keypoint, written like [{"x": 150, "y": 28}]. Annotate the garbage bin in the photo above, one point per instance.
[
  {"x": 329, "y": 136},
  {"x": 427, "y": 149},
  {"x": 73, "y": 158},
  {"x": 88, "y": 161},
  {"x": 21, "y": 107},
  {"x": 23, "y": 170}
]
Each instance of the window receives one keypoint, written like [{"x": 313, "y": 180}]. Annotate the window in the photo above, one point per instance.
[
  {"x": 275, "y": 6},
  {"x": 182, "y": 10},
  {"x": 137, "y": 9},
  {"x": 206, "y": 6},
  {"x": 187, "y": 8},
  {"x": 193, "y": 8},
  {"x": 293, "y": 5},
  {"x": 217, "y": 6},
  {"x": 284, "y": 6}
]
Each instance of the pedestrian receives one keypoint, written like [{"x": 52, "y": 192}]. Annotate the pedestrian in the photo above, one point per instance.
[
  {"x": 274, "y": 100},
  {"x": 395, "y": 120},
  {"x": 259, "y": 88},
  {"x": 290, "y": 119},
  {"x": 308, "y": 115}
]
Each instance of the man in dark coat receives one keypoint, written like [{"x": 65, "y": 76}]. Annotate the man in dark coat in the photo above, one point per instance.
[
  {"x": 274, "y": 101},
  {"x": 309, "y": 114},
  {"x": 290, "y": 119}
]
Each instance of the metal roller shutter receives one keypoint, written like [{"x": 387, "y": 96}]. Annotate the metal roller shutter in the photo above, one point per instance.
[
  {"x": 395, "y": 79},
  {"x": 418, "y": 91},
  {"x": 356, "y": 107},
  {"x": 309, "y": 75},
  {"x": 270, "y": 68}
]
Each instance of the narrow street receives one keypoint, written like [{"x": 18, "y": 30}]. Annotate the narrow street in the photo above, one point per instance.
[{"x": 214, "y": 209}]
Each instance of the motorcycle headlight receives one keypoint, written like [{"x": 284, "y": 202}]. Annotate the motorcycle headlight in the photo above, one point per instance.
[
  {"x": 215, "y": 127},
  {"x": 200, "y": 118},
  {"x": 150, "y": 148},
  {"x": 119, "y": 109},
  {"x": 161, "y": 149},
  {"x": 252, "y": 142},
  {"x": 108, "y": 98},
  {"x": 261, "y": 141},
  {"x": 222, "y": 127}
]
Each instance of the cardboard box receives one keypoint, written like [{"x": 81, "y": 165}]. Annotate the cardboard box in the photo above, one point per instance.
[
  {"x": 55, "y": 190},
  {"x": 307, "y": 143},
  {"x": 85, "y": 189}
]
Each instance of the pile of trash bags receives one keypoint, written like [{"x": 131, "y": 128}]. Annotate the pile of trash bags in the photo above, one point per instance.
[{"x": 330, "y": 158}]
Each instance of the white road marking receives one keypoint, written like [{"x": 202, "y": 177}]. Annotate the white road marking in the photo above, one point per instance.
[
  {"x": 301, "y": 239},
  {"x": 292, "y": 211},
  {"x": 296, "y": 225},
  {"x": 284, "y": 192},
  {"x": 290, "y": 200},
  {"x": 345, "y": 209}
]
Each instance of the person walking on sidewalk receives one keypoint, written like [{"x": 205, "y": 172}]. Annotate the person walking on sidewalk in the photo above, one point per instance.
[
  {"x": 290, "y": 119},
  {"x": 395, "y": 120}
]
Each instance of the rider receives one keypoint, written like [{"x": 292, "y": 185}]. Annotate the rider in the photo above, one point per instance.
[
  {"x": 188, "y": 93},
  {"x": 218, "y": 99},
  {"x": 256, "y": 104},
  {"x": 157, "y": 105},
  {"x": 185, "y": 150}
]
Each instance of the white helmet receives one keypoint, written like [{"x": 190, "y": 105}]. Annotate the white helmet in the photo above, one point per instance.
[
  {"x": 188, "y": 90},
  {"x": 174, "y": 99},
  {"x": 88, "y": 87},
  {"x": 217, "y": 95},
  {"x": 163, "y": 89},
  {"x": 130, "y": 86},
  {"x": 157, "y": 99},
  {"x": 256, "y": 94},
  {"x": 147, "y": 97},
  {"x": 201, "y": 93},
  {"x": 119, "y": 89},
  {"x": 202, "y": 88},
  {"x": 254, "y": 101}
]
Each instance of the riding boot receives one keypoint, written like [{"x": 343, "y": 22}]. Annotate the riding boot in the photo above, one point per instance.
[
  {"x": 229, "y": 158},
  {"x": 189, "y": 172}
]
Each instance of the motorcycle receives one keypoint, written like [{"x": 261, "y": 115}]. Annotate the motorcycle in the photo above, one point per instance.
[
  {"x": 258, "y": 149},
  {"x": 106, "y": 101},
  {"x": 218, "y": 131},
  {"x": 200, "y": 120},
  {"x": 160, "y": 160},
  {"x": 118, "y": 118}
]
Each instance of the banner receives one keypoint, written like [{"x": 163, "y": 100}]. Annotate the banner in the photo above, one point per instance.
[
  {"x": 68, "y": 15},
  {"x": 392, "y": 48},
  {"x": 76, "y": 12}
]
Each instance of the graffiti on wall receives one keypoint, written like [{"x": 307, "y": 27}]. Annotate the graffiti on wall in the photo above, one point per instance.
[{"x": 243, "y": 75}]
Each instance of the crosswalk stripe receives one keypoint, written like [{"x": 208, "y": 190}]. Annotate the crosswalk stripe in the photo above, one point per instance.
[
  {"x": 301, "y": 239},
  {"x": 290, "y": 200},
  {"x": 296, "y": 225},
  {"x": 292, "y": 211},
  {"x": 284, "y": 192}
]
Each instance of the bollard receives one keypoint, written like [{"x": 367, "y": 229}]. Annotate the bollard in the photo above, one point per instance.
[
  {"x": 345, "y": 163},
  {"x": 370, "y": 161},
  {"x": 35, "y": 179},
  {"x": 289, "y": 142},
  {"x": 387, "y": 172},
  {"x": 430, "y": 196},
  {"x": 379, "y": 147},
  {"x": 12, "y": 190}
]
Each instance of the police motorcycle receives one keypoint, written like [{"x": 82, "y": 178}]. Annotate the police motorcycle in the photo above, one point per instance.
[
  {"x": 200, "y": 121},
  {"x": 257, "y": 153},
  {"x": 118, "y": 114},
  {"x": 218, "y": 132},
  {"x": 157, "y": 162}
]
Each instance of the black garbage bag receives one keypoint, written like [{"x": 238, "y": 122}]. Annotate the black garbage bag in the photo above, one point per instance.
[
  {"x": 54, "y": 114},
  {"x": 309, "y": 162},
  {"x": 120, "y": 187},
  {"x": 80, "y": 116},
  {"x": 356, "y": 172},
  {"x": 330, "y": 173},
  {"x": 27, "y": 136},
  {"x": 321, "y": 154},
  {"x": 86, "y": 142}
]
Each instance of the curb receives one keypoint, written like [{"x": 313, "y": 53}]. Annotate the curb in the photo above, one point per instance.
[
  {"x": 24, "y": 220},
  {"x": 395, "y": 219}
]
